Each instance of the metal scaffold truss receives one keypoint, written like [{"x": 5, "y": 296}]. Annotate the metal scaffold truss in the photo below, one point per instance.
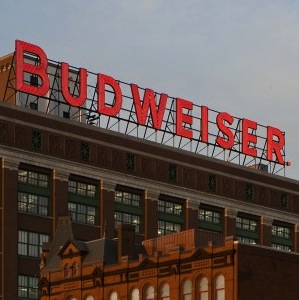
[{"x": 126, "y": 121}]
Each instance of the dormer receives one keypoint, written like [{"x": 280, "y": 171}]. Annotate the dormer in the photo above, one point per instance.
[{"x": 72, "y": 255}]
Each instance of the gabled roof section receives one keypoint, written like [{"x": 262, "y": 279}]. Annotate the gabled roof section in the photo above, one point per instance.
[
  {"x": 200, "y": 253},
  {"x": 78, "y": 245},
  {"x": 102, "y": 250}
]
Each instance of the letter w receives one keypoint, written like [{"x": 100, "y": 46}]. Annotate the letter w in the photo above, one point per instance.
[{"x": 157, "y": 113}]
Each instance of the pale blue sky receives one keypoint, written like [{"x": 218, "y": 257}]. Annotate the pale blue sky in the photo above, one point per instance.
[{"x": 239, "y": 56}]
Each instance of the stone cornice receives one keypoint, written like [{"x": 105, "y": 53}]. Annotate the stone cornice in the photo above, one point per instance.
[{"x": 11, "y": 163}]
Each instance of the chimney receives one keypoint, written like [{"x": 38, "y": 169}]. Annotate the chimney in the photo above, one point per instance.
[{"x": 126, "y": 240}]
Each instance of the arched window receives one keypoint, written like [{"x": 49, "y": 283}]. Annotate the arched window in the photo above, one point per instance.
[
  {"x": 187, "y": 290},
  {"x": 150, "y": 292},
  {"x": 220, "y": 287},
  {"x": 113, "y": 296},
  {"x": 89, "y": 297},
  {"x": 67, "y": 271},
  {"x": 135, "y": 294},
  {"x": 75, "y": 270},
  {"x": 203, "y": 289},
  {"x": 165, "y": 292}
]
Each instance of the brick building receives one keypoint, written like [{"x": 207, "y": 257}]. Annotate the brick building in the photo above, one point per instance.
[
  {"x": 55, "y": 163},
  {"x": 192, "y": 264}
]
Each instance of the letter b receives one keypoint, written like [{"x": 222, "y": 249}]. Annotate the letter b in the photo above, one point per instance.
[{"x": 23, "y": 67}]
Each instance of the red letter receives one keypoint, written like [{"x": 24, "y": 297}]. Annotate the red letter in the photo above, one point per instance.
[
  {"x": 149, "y": 103},
  {"x": 204, "y": 124},
  {"x": 248, "y": 138},
  {"x": 183, "y": 118},
  {"x": 228, "y": 142},
  {"x": 102, "y": 108},
  {"x": 74, "y": 101},
  {"x": 23, "y": 67},
  {"x": 275, "y": 146}
]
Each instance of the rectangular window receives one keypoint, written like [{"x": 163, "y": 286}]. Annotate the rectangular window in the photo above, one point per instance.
[
  {"x": 249, "y": 191},
  {"x": 130, "y": 162},
  {"x": 246, "y": 240},
  {"x": 34, "y": 204},
  {"x": 34, "y": 192},
  {"x": 33, "y": 178},
  {"x": 281, "y": 247},
  {"x": 85, "y": 151},
  {"x": 128, "y": 208},
  {"x": 170, "y": 215},
  {"x": 282, "y": 237},
  {"x": 30, "y": 243},
  {"x": 122, "y": 217},
  {"x": 246, "y": 224},
  {"x": 36, "y": 140},
  {"x": 247, "y": 230},
  {"x": 27, "y": 287},
  {"x": 212, "y": 183},
  {"x": 83, "y": 213},
  {"x": 284, "y": 200},
  {"x": 210, "y": 216},
  {"x": 127, "y": 198},
  {"x": 82, "y": 188},
  {"x": 280, "y": 231},
  {"x": 165, "y": 227},
  {"x": 172, "y": 172},
  {"x": 83, "y": 202},
  {"x": 170, "y": 207}
]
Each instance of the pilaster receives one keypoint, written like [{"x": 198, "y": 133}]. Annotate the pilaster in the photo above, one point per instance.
[
  {"x": 230, "y": 217},
  {"x": 151, "y": 198},
  {"x": 266, "y": 231},
  {"x": 107, "y": 195}
]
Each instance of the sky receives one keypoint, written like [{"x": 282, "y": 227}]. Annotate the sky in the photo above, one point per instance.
[{"x": 238, "y": 56}]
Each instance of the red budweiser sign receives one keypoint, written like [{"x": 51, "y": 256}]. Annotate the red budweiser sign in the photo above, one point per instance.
[{"x": 147, "y": 104}]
